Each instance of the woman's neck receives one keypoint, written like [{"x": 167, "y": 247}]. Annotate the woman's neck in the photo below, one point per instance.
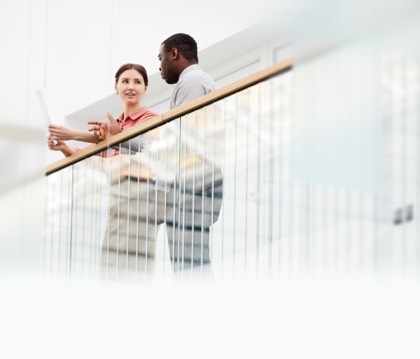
[{"x": 129, "y": 110}]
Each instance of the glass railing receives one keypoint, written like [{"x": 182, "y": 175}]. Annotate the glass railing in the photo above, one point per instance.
[
  {"x": 297, "y": 172},
  {"x": 182, "y": 199}
]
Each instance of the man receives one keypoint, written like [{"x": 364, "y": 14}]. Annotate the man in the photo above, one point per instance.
[
  {"x": 194, "y": 201},
  {"x": 179, "y": 65}
]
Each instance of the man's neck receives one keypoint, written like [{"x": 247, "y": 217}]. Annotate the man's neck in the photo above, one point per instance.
[{"x": 186, "y": 64}]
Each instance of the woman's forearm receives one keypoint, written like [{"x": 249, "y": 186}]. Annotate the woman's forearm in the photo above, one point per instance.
[
  {"x": 63, "y": 133},
  {"x": 68, "y": 151},
  {"x": 85, "y": 136}
]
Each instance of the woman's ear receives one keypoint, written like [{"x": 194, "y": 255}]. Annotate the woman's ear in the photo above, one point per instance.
[{"x": 116, "y": 89}]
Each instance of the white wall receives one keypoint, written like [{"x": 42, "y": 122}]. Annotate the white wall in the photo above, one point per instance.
[
  {"x": 88, "y": 40},
  {"x": 72, "y": 49}
]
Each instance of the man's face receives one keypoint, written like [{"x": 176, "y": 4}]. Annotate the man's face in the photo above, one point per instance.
[{"x": 167, "y": 68}]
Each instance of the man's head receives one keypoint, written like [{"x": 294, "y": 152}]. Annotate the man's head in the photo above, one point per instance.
[{"x": 176, "y": 53}]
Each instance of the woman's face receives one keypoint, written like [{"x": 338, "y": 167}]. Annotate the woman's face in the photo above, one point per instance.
[{"x": 130, "y": 87}]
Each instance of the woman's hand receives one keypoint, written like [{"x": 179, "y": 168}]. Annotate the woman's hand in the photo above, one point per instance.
[
  {"x": 58, "y": 145},
  {"x": 103, "y": 130},
  {"x": 61, "y": 133},
  {"x": 55, "y": 145}
]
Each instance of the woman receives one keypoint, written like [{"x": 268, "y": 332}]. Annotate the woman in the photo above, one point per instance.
[
  {"x": 131, "y": 84},
  {"x": 134, "y": 203}
]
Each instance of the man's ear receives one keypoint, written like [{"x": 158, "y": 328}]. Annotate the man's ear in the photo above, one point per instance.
[{"x": 174, "y": 53}]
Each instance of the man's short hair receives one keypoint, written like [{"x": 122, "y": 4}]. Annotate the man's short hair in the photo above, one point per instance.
[{"x": 185, "y": 44}]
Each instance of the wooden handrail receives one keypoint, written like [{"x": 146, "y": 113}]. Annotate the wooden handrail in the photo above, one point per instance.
[{"x": 175, "y": 113}]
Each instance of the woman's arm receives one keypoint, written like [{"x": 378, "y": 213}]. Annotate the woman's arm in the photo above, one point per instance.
[
  {"x": 63, "y": 133},
  {"x": 103, "y": 130},
  {"x": 58, "y": 145}
]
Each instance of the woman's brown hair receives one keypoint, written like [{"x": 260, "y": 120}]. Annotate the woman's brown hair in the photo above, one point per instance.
[{"x": 140, "y": 69}]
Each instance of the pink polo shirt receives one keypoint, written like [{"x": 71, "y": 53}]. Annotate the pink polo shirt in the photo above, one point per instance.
[{"x": 135, "y": 119}]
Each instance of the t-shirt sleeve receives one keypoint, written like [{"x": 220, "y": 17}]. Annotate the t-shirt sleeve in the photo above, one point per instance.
[{"x": 190, "y": 91}]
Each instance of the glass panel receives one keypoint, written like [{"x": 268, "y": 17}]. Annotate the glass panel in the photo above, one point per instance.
[{"x": 314, "y": 171}]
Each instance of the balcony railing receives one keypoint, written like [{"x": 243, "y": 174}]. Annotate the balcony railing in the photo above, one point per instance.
[
  {"x": 171, "y": 199},
  {"x": 285, "y": 172}
]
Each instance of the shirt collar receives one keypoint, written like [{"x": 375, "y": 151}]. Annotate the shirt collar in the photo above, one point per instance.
[
  {"x": 133, "y": 117},
  {"x": 189, "y": 69}
]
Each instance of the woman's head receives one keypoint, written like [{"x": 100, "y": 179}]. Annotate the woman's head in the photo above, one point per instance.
[
  {"x": 140, "y": 69},
  {"x": 131, "y": 83}
]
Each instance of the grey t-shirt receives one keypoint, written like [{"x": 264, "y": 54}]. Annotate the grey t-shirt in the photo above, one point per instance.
[{"x": 193, "y": 83}]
